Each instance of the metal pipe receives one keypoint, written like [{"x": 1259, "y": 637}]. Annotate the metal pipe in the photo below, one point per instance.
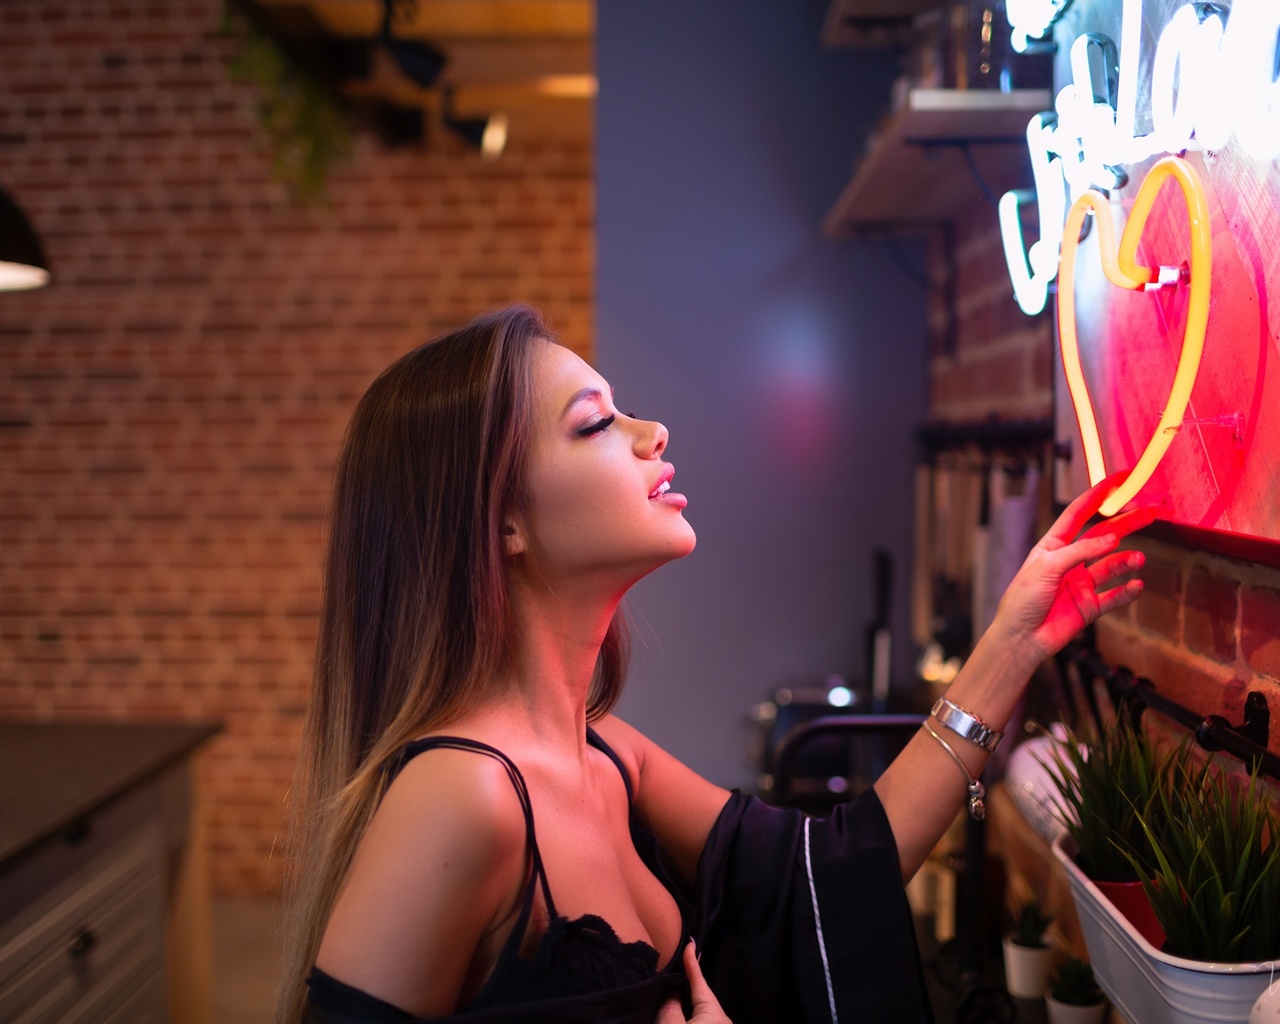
[{"x": 1212, "y": 732}]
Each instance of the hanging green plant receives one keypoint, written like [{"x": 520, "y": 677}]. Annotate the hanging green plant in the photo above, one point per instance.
[{"x": 305, "y": 126}]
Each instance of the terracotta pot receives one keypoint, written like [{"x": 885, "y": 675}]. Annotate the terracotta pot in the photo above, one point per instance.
[
  {"x": 1131, "y": 900},
  {"x": 1026, "y": 969},
  {"x": 1066, "y": 1013}
]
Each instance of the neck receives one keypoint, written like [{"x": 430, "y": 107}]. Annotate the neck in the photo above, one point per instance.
[{"x": 558, "y": 639}]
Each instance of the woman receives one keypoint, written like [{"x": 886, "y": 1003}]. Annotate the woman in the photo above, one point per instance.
[{"x": 474, "y": 832}]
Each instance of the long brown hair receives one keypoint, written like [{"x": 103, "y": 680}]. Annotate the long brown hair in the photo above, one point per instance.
[{"x": 415, "y": 629}]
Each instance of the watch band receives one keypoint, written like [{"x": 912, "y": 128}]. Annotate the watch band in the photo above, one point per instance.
[{"x": 966, "y": 725}]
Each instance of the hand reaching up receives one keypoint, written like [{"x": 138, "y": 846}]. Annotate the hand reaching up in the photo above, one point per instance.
[{"x": 1062, "y": 586}]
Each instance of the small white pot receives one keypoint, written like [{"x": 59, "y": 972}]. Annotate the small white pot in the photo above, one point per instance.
[
  {"x": 1026, "y": 969},
  {"x": 1066, "y": 1013}
]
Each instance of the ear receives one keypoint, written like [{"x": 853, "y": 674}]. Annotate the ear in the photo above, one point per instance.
[{"x": 515, "y": 540}]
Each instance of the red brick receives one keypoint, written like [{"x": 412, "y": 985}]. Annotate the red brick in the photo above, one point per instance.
[
  {"x": 1209, "y": 615},
  {"x": 1159, "y": 608},
  {"x": 1203, "y": 688},
  {"x": 1260, "y": 629},
  {"x": 219, "y": 372},
  {"x": 1044, "y": 357},
  {"x": 1118, "y": 644}
]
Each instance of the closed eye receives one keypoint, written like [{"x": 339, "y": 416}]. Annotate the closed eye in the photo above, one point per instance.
[{"x": 597, "y": 427}]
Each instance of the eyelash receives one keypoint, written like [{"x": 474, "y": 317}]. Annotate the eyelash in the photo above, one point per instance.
[{"x": 598, "y": 426}]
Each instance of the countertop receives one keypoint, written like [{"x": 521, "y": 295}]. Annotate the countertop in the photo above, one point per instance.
[{"x": 52, "y": 774}]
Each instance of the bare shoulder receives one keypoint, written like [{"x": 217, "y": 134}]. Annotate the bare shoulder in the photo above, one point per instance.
[
  {"x": 628, "y": 743},
  {"x": 673, "y": 800},
  {"x": 437, "y": 870}
]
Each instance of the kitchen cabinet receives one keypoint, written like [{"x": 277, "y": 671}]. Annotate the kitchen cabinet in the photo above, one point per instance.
[{"x": 103, "y": 906}]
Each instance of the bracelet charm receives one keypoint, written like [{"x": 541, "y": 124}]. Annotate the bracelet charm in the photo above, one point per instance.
[{"x": 977, "y": 792}]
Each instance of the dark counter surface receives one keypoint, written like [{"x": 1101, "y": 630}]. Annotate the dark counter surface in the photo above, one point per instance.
[{"x": 52, "y": 774}]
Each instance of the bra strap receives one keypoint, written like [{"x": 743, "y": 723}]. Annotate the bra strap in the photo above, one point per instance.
[
  {"x": 412, "y": 750},
  {"x": 594, "y": 739}
]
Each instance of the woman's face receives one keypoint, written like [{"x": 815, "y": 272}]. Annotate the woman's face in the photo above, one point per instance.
[{"x": 599, "y": 499}]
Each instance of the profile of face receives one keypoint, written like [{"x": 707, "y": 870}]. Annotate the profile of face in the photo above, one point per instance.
[{"x": 599, "y": 504}]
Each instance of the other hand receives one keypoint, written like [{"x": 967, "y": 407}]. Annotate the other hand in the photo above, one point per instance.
[
  {"x": 1061, "y": 587},
  {"x": 706, "y": 1008}
]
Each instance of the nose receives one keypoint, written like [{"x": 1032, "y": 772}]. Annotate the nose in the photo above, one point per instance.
[{"x": 651, "y": 439}]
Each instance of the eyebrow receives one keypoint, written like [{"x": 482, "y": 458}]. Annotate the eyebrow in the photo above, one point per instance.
[{"x": 581, "y": 396}]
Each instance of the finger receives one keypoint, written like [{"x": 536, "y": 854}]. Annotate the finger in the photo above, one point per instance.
[
  {"x": 1123, "y": 524},
  {"x": 699, "y": 991},
  {"x": 1118, "y": 597},
  {"x": 1084, "y": 508},
  {"x": 1062, "y": 560},
  {"x": 1116, "y": 564},
  {"x": 1083, "y": 596},
  {"x": 670, "y": 1013}
]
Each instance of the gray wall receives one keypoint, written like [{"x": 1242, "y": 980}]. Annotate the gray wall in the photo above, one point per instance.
[{"x": 789, "y": 368}]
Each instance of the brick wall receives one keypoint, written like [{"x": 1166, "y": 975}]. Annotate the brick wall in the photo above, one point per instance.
[
  {"x": 996, "y": 360},
  {"x": 1207, "y": 628},
  {"x": 184, "y": 383}
]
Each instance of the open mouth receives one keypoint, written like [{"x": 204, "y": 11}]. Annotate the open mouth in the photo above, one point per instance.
[{"x": 664, "y": 481}]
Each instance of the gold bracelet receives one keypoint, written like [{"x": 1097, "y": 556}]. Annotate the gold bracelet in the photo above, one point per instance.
[{"x": 977, "y": 808}]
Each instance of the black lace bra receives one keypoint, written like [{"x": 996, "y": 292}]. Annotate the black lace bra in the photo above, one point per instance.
[{"x": 575, "y": 960}]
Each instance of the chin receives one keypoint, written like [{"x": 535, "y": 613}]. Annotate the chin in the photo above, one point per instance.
[{"x": 680, "y": 547}]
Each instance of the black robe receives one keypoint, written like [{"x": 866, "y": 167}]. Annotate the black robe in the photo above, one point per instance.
[{"x": 798, "y": 921}]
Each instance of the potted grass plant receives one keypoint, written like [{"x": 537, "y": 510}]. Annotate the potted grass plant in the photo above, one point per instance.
[
  {"x": 1214, "y": 881},
  {"x": 1027, "y": 957},
  {"x": 1105, "y": 784},
  {"x": 1214, "y": 876},
  {"x": 1074, "y": 996}
]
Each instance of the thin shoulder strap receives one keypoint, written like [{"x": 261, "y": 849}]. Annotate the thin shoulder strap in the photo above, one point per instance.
[
  {"x": 539, "y": 875},
  {"x": 594, "y": 739}
]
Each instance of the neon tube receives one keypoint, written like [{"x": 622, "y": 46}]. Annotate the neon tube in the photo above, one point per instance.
[{"x": 1122, "y": 270}]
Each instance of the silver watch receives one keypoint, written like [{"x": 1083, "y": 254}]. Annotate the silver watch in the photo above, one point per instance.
[{"x": 966, "y": 726}]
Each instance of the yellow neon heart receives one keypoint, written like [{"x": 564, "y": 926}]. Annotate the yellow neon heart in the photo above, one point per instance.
[{"x": 1121, "y": 270}]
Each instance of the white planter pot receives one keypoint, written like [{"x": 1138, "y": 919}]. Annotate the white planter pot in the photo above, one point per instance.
[
  {"x": 1149, "y": 986},
  {"x": 1026, "y": 969},
  {"x": 1066, "y": 1013}
]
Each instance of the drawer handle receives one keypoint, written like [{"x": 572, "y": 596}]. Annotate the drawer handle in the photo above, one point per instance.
[
  {"x": 82, "y": 944},
  {"x": 77, "y": 832}
]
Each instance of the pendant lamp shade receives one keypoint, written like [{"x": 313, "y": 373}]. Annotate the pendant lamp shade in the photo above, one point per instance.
[{"x": 22, "y": 262}]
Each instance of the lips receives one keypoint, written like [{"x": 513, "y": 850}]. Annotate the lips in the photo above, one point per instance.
[{"x": 664, "y": 481}]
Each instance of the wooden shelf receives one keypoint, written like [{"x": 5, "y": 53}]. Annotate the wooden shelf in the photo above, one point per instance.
[
  {"x": 914, "y": 173},
  {"x": 870, "y": 23}
]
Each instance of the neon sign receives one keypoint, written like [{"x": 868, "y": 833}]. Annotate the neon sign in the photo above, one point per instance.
[
  {"x": 1226, "y": 74},
  {"x": 1120, "y": 269}
]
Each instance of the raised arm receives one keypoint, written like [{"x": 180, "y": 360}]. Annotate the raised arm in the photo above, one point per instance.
[{"x": 1060, "y": 589}]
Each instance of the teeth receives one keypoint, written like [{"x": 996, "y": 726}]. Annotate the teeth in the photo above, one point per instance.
[{"x": 662, "y": 488}]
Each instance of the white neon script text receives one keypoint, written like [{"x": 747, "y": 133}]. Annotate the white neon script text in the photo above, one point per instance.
[
  {"x": 1210, "y": 79},
  {"x": 1031, "y": 19}
]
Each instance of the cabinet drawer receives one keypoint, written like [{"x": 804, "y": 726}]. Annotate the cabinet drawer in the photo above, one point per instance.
[
  {"x": 110, "y": 925},
  {"x": 137, "y": 998}
]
